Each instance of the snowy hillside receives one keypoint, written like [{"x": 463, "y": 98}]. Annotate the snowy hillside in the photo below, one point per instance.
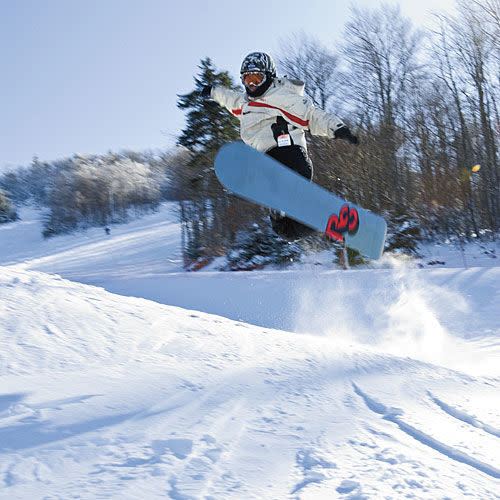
[
  {"x": 309, "y": 383},
  {"x": 147, "y": 245}
]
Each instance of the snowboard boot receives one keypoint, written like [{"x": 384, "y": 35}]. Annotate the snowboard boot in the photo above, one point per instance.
[{"x": 287, "y": 228}]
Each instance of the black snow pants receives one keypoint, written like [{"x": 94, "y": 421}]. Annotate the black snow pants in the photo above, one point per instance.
[{"x": 296, "y": 158}]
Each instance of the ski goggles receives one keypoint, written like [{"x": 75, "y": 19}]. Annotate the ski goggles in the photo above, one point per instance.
[{"x": 253, "y": 79}]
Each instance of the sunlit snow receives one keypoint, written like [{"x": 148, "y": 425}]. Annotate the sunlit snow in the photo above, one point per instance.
[{"x": 124, "y": 377}]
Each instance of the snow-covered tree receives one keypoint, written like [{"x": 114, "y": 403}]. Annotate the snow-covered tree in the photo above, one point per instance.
[{"x": 7, "y": 213}]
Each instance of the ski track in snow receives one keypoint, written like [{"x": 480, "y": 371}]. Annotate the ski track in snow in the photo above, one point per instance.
[
  {"x": 389, "y": 391},
  {"x": 465, "y": 417},
  {"x": 396, "y": 416}
]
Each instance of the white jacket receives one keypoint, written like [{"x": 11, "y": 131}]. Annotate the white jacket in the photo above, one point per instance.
[{"x": 284, "y": 98}]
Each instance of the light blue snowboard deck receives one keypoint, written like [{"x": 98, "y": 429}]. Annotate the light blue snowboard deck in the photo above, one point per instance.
[{"x": 259, "y": 178}]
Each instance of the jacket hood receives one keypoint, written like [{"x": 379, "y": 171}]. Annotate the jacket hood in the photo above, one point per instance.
[{"x": 294, "y": 85}]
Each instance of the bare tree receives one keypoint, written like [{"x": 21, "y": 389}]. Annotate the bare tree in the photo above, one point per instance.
[
  {"x": 469, "y": 56},
  {"x": 309, "y": 60},
  {"x": 382, "y": 51}
]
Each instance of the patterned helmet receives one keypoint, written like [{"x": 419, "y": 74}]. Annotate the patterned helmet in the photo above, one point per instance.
[{"x": 258, "y": 62}]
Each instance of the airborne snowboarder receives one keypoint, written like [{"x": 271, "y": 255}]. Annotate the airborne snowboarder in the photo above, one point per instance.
[{"x": 274, "y": 114}]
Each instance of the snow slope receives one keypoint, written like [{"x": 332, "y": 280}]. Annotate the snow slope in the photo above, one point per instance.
[
  {"x": 310, "y": 383},
  {"x": 147, "y": 245}
]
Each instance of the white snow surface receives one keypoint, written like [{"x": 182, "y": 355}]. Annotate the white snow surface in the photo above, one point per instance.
[{"x": 123, "y": 377}]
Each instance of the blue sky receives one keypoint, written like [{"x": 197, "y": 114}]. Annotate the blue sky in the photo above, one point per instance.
[{"x": 91, "y": 76}]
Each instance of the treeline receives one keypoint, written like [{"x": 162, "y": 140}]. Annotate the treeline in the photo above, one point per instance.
[
  {"x": 424, "y": 103},
  {"x": 91, "y": 190}
]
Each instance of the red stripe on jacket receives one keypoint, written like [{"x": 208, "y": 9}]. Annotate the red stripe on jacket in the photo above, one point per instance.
[
  {"x": 236, "y": 111},
  {"x": 291, "y": 117}
]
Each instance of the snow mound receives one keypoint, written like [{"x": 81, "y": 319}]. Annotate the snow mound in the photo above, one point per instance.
[{"x": 120, "y": 397}]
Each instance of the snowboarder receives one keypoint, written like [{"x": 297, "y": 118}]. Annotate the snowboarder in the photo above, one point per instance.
[{"x": 274, "y": 114}]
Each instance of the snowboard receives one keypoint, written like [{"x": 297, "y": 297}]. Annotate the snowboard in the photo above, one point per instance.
[{"x": 252, "y": 175}]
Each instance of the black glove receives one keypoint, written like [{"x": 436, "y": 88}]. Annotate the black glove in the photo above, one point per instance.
[
  {"x": 280, "y": 128},
  {"x": 206, "y": 91},
  {"x": 344, "y": 133}
]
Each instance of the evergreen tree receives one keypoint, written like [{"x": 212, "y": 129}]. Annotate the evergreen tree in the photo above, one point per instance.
[
  {"x": 206, "y": 210},
  {"x": 259, "y": 246},
  {"x": 403, "y": 234},
  {"x": 209, "y": 126}
]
